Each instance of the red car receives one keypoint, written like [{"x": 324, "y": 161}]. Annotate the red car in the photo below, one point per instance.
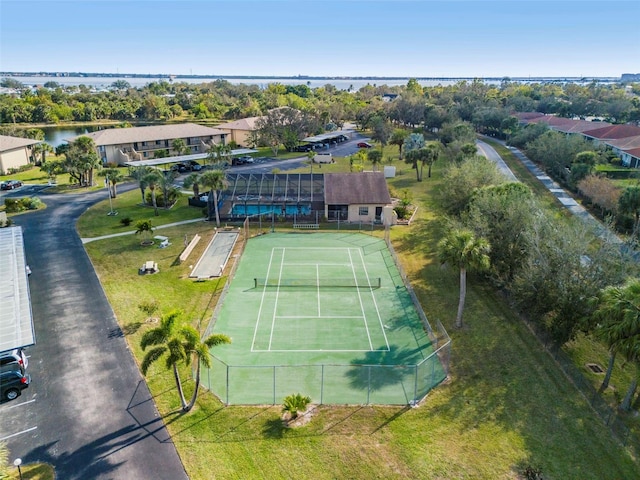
[
  {"x": 10, "y": 184},
  {"x": 364, "y": 145}
]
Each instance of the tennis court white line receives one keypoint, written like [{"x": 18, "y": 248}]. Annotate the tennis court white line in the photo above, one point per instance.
[
  {"x": 373, "y": 297},
  {"x": 355, "y": 279},
  {"x": 323, "y": 350},
  {"x": 313, "y": 248},
  {"x": 264, "y": 292},
  {"x": 275, "y": 306},
  {"x": 319, "y": 317},
  {"x": 295, "y": 264}
]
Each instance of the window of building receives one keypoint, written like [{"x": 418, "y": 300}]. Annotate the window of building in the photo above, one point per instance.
[{"x": 363, "y": 211}]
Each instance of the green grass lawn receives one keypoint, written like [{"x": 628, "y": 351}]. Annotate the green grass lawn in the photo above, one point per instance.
[{"x": 506, "y": 405}]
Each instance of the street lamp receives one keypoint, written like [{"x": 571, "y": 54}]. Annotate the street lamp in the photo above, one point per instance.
[{"x": 17, "y": 462}]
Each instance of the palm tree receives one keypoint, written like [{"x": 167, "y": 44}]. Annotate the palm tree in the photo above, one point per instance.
[
  {"x": 292, "y": 404},
  {"x": 178, "y": 344},
  {"x": 618, "y": 312},
  {"x": 430, "y": 155},
  {"x": 144, "y": 228},
  {"x": 198, "y": 350},
  {"x": 191, "y": 181},
  {"x": 168, "y": 190},
  {"x": 397, "y": 138},
  {"x": 180, "y": 147},
  {"x": 217, "y": 152},
  {"x": 463, "y": 250},
  {"x": 139, "y": 173},
  {"x": 113, "y": 176},
  {"x": 152, "y": 180},
  {"x": 213, "y": 180},
  {"x": 375, "y": 157}
]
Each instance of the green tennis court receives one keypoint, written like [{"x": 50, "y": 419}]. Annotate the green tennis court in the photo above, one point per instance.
[{"x": 323, "y": 314}]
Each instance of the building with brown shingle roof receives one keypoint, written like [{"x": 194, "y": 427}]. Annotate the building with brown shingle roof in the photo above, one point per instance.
[
  {"x": 356, "y": 197},
  {"x": 14, "y": 152},
  {"x": 240, "y": 130},
  {"x": 120, "y": 145}
]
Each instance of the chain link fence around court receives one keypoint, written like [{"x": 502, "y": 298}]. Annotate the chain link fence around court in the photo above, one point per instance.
[{"x": 333, "y": 383}]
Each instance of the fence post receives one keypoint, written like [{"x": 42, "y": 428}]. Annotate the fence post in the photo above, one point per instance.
[
  {"x": 228, "y": 367},
  {"x": 274, "y": 384},
  {"x": 369, "y": 386},
  {"x": 415, "y": 386},
  {"x": 322, "y": 384}
]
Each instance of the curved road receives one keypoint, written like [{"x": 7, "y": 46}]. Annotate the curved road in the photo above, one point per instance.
[{"x": 88, "y": 410}]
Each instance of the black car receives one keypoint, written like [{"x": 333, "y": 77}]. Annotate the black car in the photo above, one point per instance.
[
  {"x": 303, "y": 148},
  {"x": 12, "y": 382},
  {"x": 10, "y": 184}
]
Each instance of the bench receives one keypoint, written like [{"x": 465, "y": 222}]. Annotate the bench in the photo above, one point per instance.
[
  {"x": 190, "y": 247},
  {"x": 306, "y": 226}
]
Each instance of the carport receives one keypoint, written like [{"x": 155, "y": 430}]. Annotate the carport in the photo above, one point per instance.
[
  {"x": 16, "y": 318},
  {"x": 185, "y": 158},
  {"x": 328, "y": 136}
]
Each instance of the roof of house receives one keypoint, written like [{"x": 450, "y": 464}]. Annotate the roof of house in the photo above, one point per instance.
[
  {"x": 625, "y": 143},
  {"x": 614, "y": 132},
  {"x": 118, "y": 136},
  {"x": 11, "y": 143},
  {"x": 356, "y": 188},
  {"x": 566, "y": 125},
  {"x": 527, "y": 115},
  {"x": 248, "y": 123},
  {"x": 634, "y": 152}
]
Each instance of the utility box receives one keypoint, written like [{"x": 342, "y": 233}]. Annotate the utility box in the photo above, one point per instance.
[
  {"x": 389, "y": 171},
  {"x": 323, "y": 158}
]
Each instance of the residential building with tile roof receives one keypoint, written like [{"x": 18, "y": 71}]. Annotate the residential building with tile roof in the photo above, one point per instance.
[
  {"x": 120, "y": 145},
  {"x": 240, "y": 131},
  {"x": 15, "y": 152}
]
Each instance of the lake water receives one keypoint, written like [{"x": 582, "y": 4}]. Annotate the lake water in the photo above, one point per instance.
[{"x": 340, "y": 84}]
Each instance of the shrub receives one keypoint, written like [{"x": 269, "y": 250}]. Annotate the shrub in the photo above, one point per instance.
[
  {"x": 126, "y": 221},
  {"x": 149, "y": 307},
  {"x": 14, "y": 205},
  {"x": 292, "y": 404}
]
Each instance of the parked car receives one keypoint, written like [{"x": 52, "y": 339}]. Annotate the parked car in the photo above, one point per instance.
[
  {"x": 195, "y": 166},
  {"x": 13, "y": 359},
  {"x": 364, "y": 145},
  {"x": 12, "y": 382},
  {"x": 10, "y": 184},
  {"x": 303, "y": 148}
]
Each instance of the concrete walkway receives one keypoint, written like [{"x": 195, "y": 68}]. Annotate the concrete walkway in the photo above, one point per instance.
[
  {"x": 132, "y": 232},
  {"x": 561, "y": 194}
]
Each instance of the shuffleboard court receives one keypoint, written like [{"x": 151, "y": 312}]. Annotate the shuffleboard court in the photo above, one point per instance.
[
  {"x": 324, "y": 314},
  {"x": 216, "y": 255}
]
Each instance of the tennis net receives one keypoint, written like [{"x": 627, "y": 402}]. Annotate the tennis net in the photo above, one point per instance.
[{"x": 374, "y": 282}]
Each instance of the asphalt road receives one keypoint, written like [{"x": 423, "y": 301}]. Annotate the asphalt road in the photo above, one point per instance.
[{"x": 88, "y": 410}]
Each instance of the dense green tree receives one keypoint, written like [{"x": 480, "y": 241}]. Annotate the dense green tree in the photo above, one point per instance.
[
  {"x": 397, "y": 138},
  {"x": 81, "y": 159},
  {"x": 629, "y": 203},
  {"x": 375, "y": 157}
]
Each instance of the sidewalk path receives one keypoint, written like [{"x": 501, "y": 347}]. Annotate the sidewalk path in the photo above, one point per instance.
[
  {"x": 132, "y": 232},
  {"x": 561, "y": 194}
]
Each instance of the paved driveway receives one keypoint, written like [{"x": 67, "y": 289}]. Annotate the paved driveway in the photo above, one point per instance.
[{"x": 88, "y": 410}]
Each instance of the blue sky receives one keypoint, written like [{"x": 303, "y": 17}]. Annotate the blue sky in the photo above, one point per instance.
[{"x": 418, "y": 38}]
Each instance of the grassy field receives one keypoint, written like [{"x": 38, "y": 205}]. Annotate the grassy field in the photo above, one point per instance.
[{"x": 506, "y": 405}]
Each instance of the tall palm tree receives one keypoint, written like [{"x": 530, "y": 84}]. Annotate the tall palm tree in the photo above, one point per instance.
[
  {"x": 618, "y": 313},
  {"x": 178, "y": 344},
  {"x": 198, "y": 350},
  {"x": 152, "y": 180},
  {"x": 460, "y": 248},
  {"x": 430, "y": 155},
  {"x": 113, "y": 176},
  {"x": 139, "y": 174},
  {"x": 213, "y": 180}
]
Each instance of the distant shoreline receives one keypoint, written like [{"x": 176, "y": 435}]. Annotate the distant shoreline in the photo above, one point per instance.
[{"x": 300, "y": 77}]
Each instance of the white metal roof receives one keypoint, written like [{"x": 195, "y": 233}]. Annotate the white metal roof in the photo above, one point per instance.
[
  {"x": 184, "y": 158},
  {"x": 326, "y": 136},
  {"x": 16, "y": 319}
]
